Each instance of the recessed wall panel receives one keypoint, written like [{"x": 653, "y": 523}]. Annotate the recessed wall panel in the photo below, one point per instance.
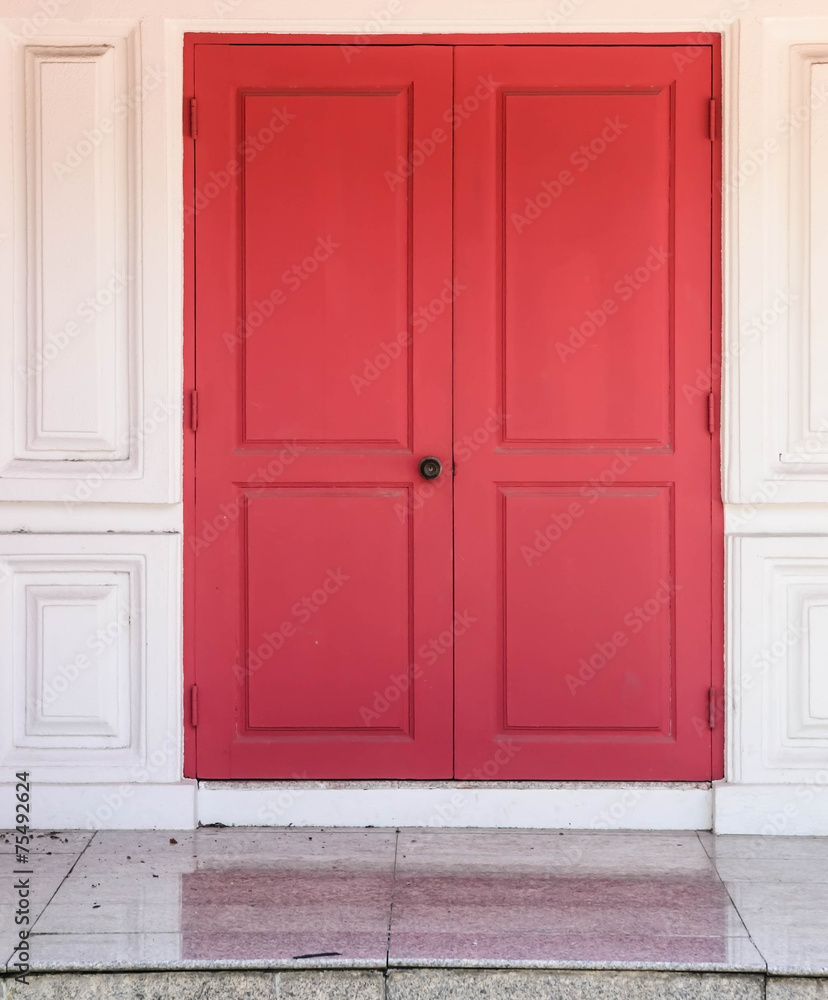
[
  {"x": 89, "y": 690},
  {"x": 78, "y": 661},
  {"x": 74, "y": 373}
]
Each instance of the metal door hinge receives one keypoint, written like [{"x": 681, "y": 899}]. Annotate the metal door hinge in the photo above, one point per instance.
[
  {"x": 194, "y": 705},
  {"x": 194, "y": 409},
  {"x": 713, "y": 124},
  {"x": 711, "y": 412},
  {"x": 711, "y": 708},
  {"x": 193, "y": 117}
]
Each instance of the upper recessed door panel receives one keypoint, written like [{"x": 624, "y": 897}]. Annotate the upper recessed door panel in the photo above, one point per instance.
[
  {"x": 326, "y": 265},
  {"x": 587, "y": 255}
]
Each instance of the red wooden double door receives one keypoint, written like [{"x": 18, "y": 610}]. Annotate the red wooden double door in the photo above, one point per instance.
[{"x": 498, "y": 256}]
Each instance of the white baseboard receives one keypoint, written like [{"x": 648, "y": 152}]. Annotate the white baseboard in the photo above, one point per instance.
[
  {"x": 593, "y": 807},
  {"x": 798, "y": 810},
  {"x": 105, "y": 807},
  {"x": 781, "y": 810}
]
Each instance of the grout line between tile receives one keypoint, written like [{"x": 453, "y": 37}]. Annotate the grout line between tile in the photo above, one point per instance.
[
  {"x": 391, "y": 907},
  {"x": 735, "y": 906},
  {"x": 4, "y": 963},
  {"x": 704, "y": 848},
  {"x": 66, "y": 876}
]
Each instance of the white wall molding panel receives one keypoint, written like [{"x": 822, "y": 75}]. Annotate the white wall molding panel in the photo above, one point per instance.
[
  {"x": 778, "y": 704},
  {"x": 90, "y": 687},
  {"x": 776, "y": 350},
  {"x": 88, "y": 409}
]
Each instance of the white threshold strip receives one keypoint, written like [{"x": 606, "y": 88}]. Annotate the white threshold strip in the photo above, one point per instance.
[
  {"x": 727, "y": 808},
  {"x": 523, "y": 805}
]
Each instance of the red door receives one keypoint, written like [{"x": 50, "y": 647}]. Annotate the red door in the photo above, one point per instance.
[
  {"x": 583, "y": 512},
  {"x": 547, "y": 612},
  {"x": 318, "y": 575}
]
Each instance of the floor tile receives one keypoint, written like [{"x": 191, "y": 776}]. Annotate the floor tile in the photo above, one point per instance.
[
  {"x": 8, "y": 939},
  {"x": 272, "y": 849},
  {"x": 47, "y": 874},
  {"x": 238, "y": 896},
  {"x": 44, "y": 866},
  {"x": 48, "y": 841},
  {"x": 328, "y": 902},
  {"x": 115, "y": 903},
  {"x": 273, "y": 895},
  {"x": 286, "y": 949},
  {"x": 788, "y": 923},
  {"x": 59, "y": 952},
  {"x": 673, "y": 906},
  {"x": 253, "y": 838},
  {"x": 673, "y": 852},
  {"x": 164, "y": 843},
  {"x": 139, "y": 852},
  {"x": 48, "y": 871},
  {"x": 550, "y": 850},
  {"x": 583, "y": 950},
  {"x": 320, "y": 943},
  {"x": 248, "y": 900},
  {"x": 769, "y": 848},
  {"x": 771, "y": 870},
  {"x": 75, "y": 952},
  {"x": 473, "y": 897}
]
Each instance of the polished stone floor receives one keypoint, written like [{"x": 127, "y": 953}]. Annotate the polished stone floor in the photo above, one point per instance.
[{"x": 377, "y": 899}]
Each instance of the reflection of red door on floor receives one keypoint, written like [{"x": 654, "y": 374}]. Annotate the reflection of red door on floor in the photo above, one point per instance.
[{"x": 520, "y": 234}]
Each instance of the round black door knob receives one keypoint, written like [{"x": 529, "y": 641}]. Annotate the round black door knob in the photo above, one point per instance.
[{"x": 430, "y": 467}]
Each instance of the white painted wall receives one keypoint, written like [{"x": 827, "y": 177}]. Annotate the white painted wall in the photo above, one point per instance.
[{"x": 90, "y": 408}]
